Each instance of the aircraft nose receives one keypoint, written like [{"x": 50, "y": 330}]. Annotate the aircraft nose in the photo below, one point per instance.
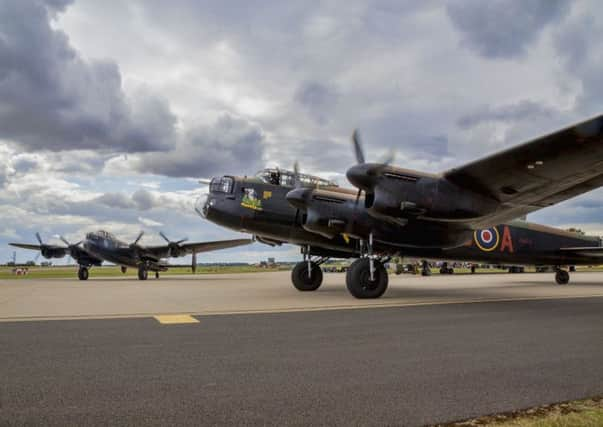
[{"x": 203, "y": 204}]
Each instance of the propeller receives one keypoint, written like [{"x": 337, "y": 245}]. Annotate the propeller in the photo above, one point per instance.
[
  {"x": 174, "y": 248},
  {"x": 194, "y": 263},
  {"x": 296, "y": 181},
  {"x": 134, "y": 245},
  {"x": 72, "y": 248},
  {"x": 298, "y": 197},
  {"x": 358, "y": 150},
  {"x": 50, "y": 251},
  {"x": 363, "y": 175},
  {"x": 69, "y": 244},
  {"x": 138, "y": 238}
]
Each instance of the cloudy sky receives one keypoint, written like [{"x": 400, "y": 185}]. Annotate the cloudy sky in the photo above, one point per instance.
[{"x": 110, "y": 110}]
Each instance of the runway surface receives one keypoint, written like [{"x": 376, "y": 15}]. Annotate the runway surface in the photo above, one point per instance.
[
  {"x": 452, "y": 357},
  {"x": 263, "y": 292}
]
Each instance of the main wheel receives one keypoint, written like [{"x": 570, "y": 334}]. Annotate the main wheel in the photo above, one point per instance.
[
  {"x": 304, "y": 282},
  {"x": 156, "y": 275},
  {"x": 359, "y": 283},
  {"x": 142, "y": 273},
  {"x": 82, "y": 273},
  {"x": 124, "y": 269},
  {"x": 562, "y": 277}
]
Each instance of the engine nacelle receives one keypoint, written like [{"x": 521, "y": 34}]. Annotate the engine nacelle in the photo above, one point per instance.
[
  {"x": 49, "y": 252},
  {"x": 426, "y": 197}
]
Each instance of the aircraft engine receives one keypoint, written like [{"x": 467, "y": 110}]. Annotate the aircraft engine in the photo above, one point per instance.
[
  {"x": 329, "y": 214},
  {"x": 174, "y": 248},
  {"x": 50, "y": 252}
]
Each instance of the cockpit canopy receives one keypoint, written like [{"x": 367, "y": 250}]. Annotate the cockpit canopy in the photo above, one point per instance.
[
  {"x": 100, "y": 235},
  {"x": 222, "y": 184},
  {"x": 286, "y": 178}
]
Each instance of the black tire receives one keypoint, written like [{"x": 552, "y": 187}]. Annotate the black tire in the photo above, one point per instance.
[
  {"x": 156, "y": 275},
  {"x": 82, "y": 273},
  {"x": 358, "y": 279},
  {"x": 143, "y": 274},
  {"x": 562, "y": 277},
  {"x": 450, "y": 270},
  {"x": 301, "y": 280},
  {"x": 124, "y": 269}
]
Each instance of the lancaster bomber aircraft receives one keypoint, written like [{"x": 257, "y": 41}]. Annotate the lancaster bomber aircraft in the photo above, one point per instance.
[
  {"x": 466, "y": 213},
  {"x": 102, "y": 246}
]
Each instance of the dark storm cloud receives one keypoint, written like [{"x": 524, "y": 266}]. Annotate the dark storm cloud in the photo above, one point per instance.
[
  {"x": 502, "y": 28},
  {"x": 523, "y": 110},
  {"x": 317, "y": 99},
  {"x": 144, "y": 199},
  {"x": 4, "y": 173},
  {"x": 578, "y": 44},
  {"x": 51, "y": 98},
  {"x": 231, "y": 145}
]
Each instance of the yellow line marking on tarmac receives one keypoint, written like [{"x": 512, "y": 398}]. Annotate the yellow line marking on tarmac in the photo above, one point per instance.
[{"x": 175, "y": 319}]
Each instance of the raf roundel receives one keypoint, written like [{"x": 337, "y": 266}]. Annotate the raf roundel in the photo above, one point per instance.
[{"x": 487, "y": 239}]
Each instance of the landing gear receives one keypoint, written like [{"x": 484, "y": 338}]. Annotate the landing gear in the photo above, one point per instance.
[
  {"x": 562, "y": 277},
  {"x": 367, "y": 276},
  {"x": 425, "y": 269},
  {"x": 82, "y": 273},
  {"x": 359, "y": 281},
  {"x": 143, "y": 273},
  {"x": 124, "y": 269},
  {"x": 306, "y": 276},
  {"x": 156, "y": 275}
]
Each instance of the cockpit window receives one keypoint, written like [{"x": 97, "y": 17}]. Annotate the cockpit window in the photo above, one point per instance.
[
  {"x": 286, "y": 178},
  {"x": 221, "y": 185}
]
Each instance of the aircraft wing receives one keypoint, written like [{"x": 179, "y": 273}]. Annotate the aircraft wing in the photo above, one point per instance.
[
  {"x": 591, "y": 251},
  {"x": 212, "y": 246},
  {"x": 189, "y": 248},
  {"x": 539, "y": 173},
  {"x": 26, "y": 246}
]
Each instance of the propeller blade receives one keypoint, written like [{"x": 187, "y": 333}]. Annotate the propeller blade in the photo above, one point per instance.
[
  {"x": 357, "y": 197},
  {"x": 64, "y": 240},
  {"x": 358, "y": 151},
  {"x": 39, "y": 238},
  {"x": 194, "y": 264},
  {"x": 37, "y": 256},
  {"x": 296, "y": 181},
  {"x": 389, "y": 157},
  {"x": 204, "y": 181},
  {"x": 139, "y": 237},
  {"x": 182, "y": 241},
  {"x": 164, "y": 236}
]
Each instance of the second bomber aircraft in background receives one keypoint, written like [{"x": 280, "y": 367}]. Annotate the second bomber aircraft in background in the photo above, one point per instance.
[{"x": 102, "y": 246}]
